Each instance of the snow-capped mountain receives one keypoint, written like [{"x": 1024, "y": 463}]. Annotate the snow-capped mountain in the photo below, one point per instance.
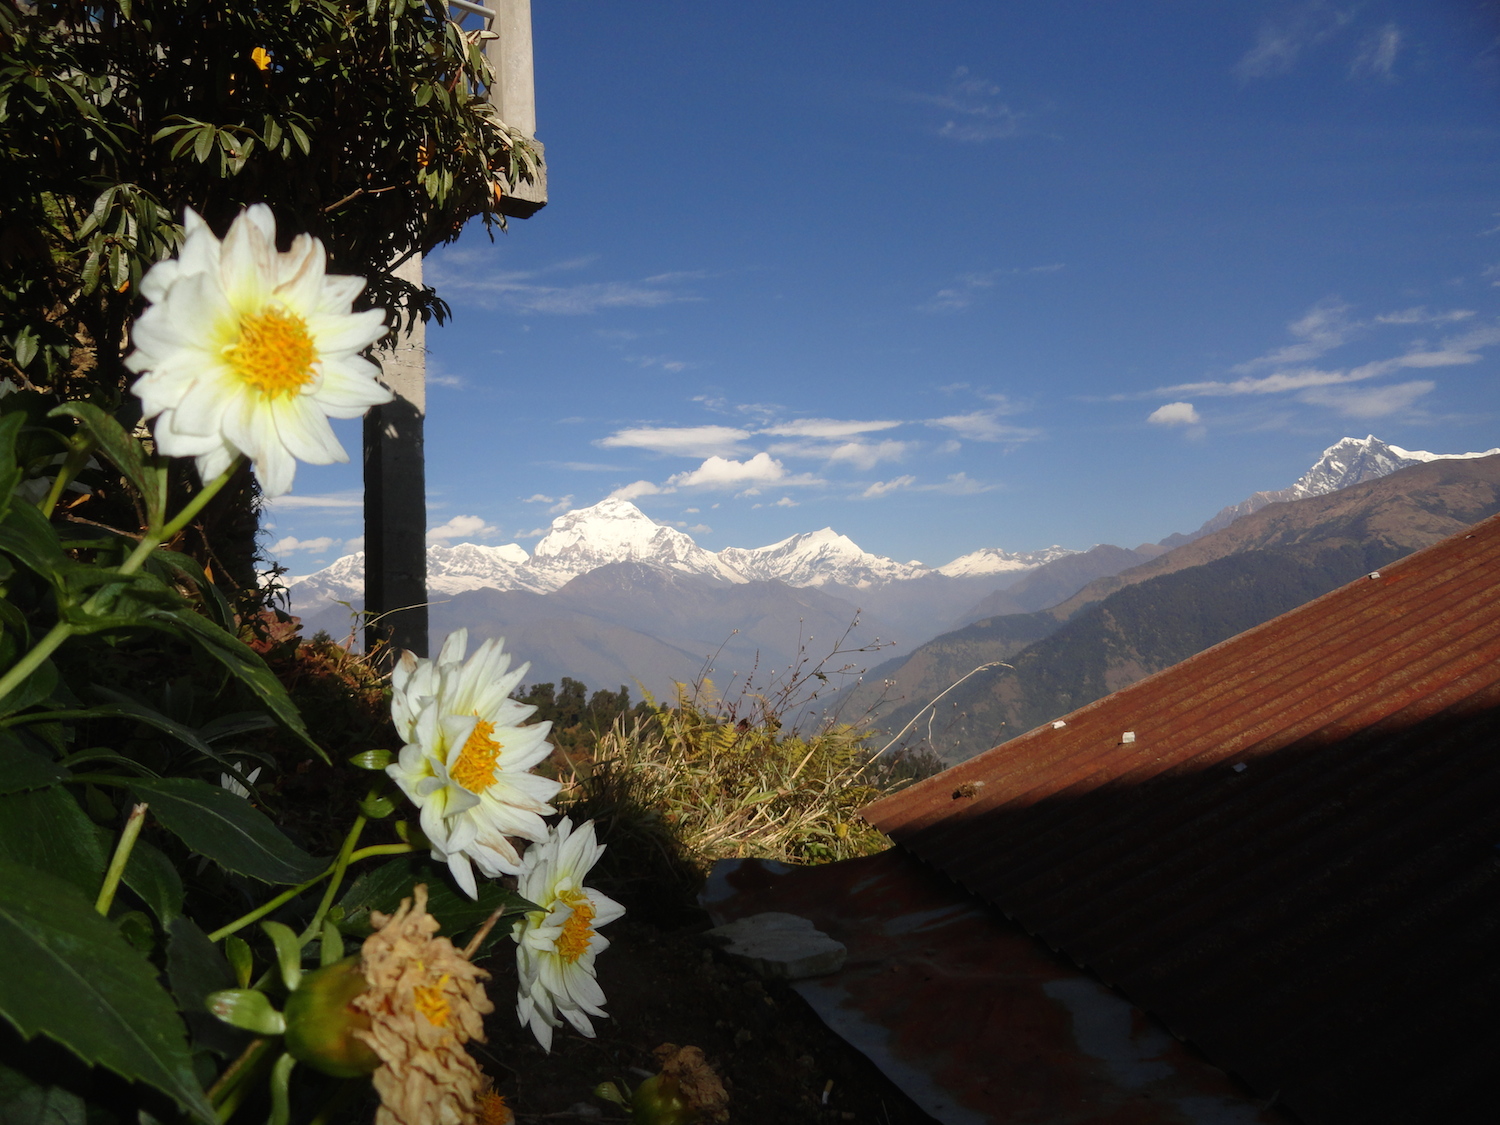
[
  {"x": 617, "y": 531},
  {"x": 1346, "y": 462},
  {"x": 471, "y": 566},
  {"x": 818, "y": 558},
  {"x": 992, "y": 560}
]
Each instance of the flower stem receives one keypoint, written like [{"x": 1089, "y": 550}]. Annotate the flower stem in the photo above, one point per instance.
[
  {"x": 380, "y": 849},
  {"x": 33, "y": 659},
  {"x": 78, "y": 456},
  {"x": 340, "y": 865},
  {"x": 121, "y": 857},
  {"x": 156, "y": 538},
  {"x": 266, "y": 907}
]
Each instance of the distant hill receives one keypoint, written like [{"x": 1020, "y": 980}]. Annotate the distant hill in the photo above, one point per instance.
[{"x": 1122, "y": 628}]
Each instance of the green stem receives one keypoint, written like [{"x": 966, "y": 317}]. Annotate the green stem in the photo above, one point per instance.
[
  {"x": 265, "y": 908},
  {"x": 78, "y": 456},
  {"x": 340, "y": 865},
  {"x": 62, "y": 630},
  {"x": 381, "y": 849},
  {"x": 155, "y": 539},
  {"x": 33, "y": 659},
  {"x": 121, "y": 857},
  {"x": 234, "y": 1084}
]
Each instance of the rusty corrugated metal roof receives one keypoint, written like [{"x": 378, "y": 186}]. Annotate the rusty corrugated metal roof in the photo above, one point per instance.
[{"x": 1293, "y": 862}]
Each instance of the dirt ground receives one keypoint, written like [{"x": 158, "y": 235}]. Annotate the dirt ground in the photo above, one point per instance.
[{"x": 776, "y": 1057}]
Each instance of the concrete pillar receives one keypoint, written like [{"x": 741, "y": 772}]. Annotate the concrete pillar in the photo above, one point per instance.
[{"x": 396, "y": 495}]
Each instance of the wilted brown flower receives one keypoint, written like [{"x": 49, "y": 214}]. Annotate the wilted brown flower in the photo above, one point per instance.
[
  {"x": 698, "y": 1083},
  {"x": 425, "y": 1001}
]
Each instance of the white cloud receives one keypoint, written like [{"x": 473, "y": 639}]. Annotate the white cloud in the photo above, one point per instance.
[
  {"x": 534, "y": 533},
  {"x": 354, "y": 498},
  {"x": 825, "y": 428},
  {"x": 950, "y": 446},
  {"x": 685, "y": 441},
  {"x": 886, "y": 487},
  {"x": 864, "y": 455},
  {"x": 979, "y": 116},
  {"x": 1174, "y": 414},
  {"x": 983, "y": 425},
  {"x": 355, "y": 544},
  {"x": 561, "y": 506},
  {"x": 635, "y": 490},
  {"x": 291, "y": 544},
  {"x": 462, "y": 527},
  {"x": 961, "y": 294},
  {"x": 1377, "y": 54},
  {"x": 453, "y": 382},
  {"x": 1368, "y": 402},
  {"x": 1454, "y": 354},
  {"x": 785, "y": 502},
  {"x": 723, "y": 472},
  {"x": 539, "y": 498}
]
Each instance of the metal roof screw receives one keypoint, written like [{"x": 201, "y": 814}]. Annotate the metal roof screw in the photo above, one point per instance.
[
  {"x": 1059, "y": 724},
  {"x": 1373, "y": 574},
  {"x": 1127, "y": 738}
]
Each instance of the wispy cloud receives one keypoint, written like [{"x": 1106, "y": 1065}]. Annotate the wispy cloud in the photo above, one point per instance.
[
  {"x": 977, "y": 113},
  {"x": 290, "y": 545},
  {"x": 826, "y": 428},
  {"x": 666, "y": 363},
  {"x": 863, "y": 455},
  {"x": 1420, "y": 315},
  {"x": 328, "y": 501},
  {"x": 1377, "y": 54},
  {"x": 1278, "y": 45},
  {"x": 727, "y": 473},
  {"x": 969, "y": 287},
  {"x": 886, "y": 487},
  {"x": 635, "y": 490},
  {"x": 984, "y": 425},
  {"x": 685, "y": 441},
  {"x": 1322, "y": 328},
  {"x": 462, "y": 527},
  {"x": 524, "y": 291},
  {"x": 1368, "y": 402}
]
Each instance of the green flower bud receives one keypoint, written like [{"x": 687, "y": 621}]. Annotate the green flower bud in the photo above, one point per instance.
[
  {"x": 659, "y": 1101},
  {"x": 321, "y": 1021}
]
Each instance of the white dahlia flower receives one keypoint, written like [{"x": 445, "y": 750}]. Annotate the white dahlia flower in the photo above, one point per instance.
[
  {"x": 467, "y": 757},
  {"x": 247, "y": 350},
  {"x": 556, "y": 945}
]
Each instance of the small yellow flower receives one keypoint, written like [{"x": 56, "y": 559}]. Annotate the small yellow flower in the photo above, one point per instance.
[
  {"x": 424, "y": 1001},
  {"x": 261, "y": 58}
]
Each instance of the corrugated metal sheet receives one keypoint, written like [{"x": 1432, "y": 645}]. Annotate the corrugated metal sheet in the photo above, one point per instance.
[{"x": 1293, "y": 862}]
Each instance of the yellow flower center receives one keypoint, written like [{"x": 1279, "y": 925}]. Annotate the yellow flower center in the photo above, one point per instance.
[
  {"x": 573, "y": 942},
  {"x": 475, "y": 767},
  {"x": 493, "y": 1110},
  {"x": 432, "y": 1003},
  {"x": 274, "y": 352}
]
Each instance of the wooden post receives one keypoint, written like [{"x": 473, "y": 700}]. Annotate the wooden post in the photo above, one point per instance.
[
  {"x": 395, "y": 470},
  {"x": 396, "y": 495}
]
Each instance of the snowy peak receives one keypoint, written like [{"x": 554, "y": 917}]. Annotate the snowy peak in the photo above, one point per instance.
[
  {"x": 817, "y": 558},
  {"x": 992, "y": 560},
  {"x": 471, "y": 566},
  {"x": 617, "y": 531},
  {"x": 1346, "y": 462}
]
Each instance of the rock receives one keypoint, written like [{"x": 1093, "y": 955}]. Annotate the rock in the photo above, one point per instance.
[{"x": 779, "y": 946}]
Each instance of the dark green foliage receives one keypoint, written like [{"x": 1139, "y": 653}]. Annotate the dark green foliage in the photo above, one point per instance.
[{"x": 578, "y": 718}]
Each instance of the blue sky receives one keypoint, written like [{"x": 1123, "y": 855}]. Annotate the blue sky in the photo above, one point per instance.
[{"x": 956, "y": 275}]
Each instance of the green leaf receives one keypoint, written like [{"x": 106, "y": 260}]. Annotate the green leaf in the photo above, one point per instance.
[
  {"x": 227, "y": 829},
  {"x": 196, "y": 968},
  {"x": 69, "y": 976},
  {"x": 46, "y": 830},
  {"x": 121, "y": 706},
  {"x": 26, "y": 536},
  {"x": 21, "y": 769},
  {"x": 150, "y": 874},
  {"x": 32, "y": 690},
  {"x": 124, "y": 450},
  {"x": 9, "y": 470},
  {"x": 383, "y": 888},
  {"x": 288, "y": 953},
  {"x": 247, "y": 667},
  {"x": 24, "y": 1102}
]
